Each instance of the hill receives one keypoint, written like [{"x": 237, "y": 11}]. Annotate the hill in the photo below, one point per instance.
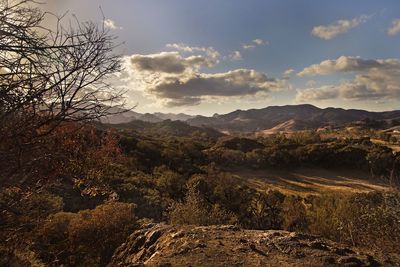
[
  {"x": 269, "y": 120},
  {"x": 289, "y": 118},
  {"x": 165, "y": 128},
  {"x": 124, "y": 116}
]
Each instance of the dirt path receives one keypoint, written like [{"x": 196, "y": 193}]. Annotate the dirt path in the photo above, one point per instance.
[{"x": 311, "y": 181}]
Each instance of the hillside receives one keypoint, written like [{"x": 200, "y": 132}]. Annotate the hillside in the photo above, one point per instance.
[
  {"x": 164, "y": 245},
  {"x": 288, "y": 118},
  {"x": 311, "y": 181},
  {"x": 290, "y": 126},
  {"x": 119, "y": 116},
  {"x": 269, "y": 120},
  {"x": 165, "y": 128}
]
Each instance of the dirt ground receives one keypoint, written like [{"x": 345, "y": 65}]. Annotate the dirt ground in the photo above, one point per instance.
[{"x": 165, "y": 245}]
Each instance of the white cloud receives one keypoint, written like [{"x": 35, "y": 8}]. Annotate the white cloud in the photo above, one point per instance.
[
  {"x": 197, "y": 87},
  {"x": 395, "y": 28},
  {"x": 317, "y": 94},
  {"x": 212, "y": 54},
  {"x": 311, "y": 83},
  {"x": 344, "y": 64},
  {"x": 260, "y": 42},
  {"x": 248, "y": 46},
  {"x": 374, "y": 79},
  {"x": 168, "y": 62},
  {"x": 235, "y": 56},
  {"x": 174, "y": 80},
  {"x": 255, "y": 43},
  {"x": 110, "y": 24},
  {"x": 289, "y": 72},
  {"x": 330, "y": 31}
]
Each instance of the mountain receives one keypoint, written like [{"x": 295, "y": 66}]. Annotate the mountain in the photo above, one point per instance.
[
  {"x": 288, "y": 118},
  {"x": 166, "y": 128},
  {"x": 125, "y": 116},
  {"x": 173, "y": 117},
  {"x": 268, "y": 120}
]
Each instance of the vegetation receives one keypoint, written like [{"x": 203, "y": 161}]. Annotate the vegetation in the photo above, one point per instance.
[{"x": 72, "y": 190}]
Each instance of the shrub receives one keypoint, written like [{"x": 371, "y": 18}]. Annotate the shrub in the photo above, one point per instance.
[
  {"x": 294, "y": 214},
  {"x": 365, "y": 219},
  {"x": 265, "y": 210},
  {"x": 196, "y": 211},
  {"x": 86, "y": 238}
]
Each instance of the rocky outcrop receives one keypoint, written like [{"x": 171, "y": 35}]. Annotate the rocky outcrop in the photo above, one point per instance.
[{"x": 165, "y": 245}]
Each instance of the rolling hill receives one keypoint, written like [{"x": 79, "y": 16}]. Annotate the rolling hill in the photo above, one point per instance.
[
  {"x": 271, "y": 119},
  {"x": 289, "y": 118}
]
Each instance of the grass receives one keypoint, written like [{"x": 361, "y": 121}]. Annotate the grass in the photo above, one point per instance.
[
  {"x": 305, "y": 182},
  {"x": 395, "y": 148}
]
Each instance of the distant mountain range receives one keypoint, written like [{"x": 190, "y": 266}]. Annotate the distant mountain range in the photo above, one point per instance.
[
  {"x": 129, "y": 115},
  {"x": 271, "y": 119}
]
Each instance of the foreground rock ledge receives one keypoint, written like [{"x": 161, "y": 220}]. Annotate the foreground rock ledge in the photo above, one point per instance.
[{"x": 166, "y": 245}]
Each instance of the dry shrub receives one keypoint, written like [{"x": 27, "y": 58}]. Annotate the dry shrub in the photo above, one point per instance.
[
  {"x": 366, "y": 219},
  {"x": 86, "y": 238},
  {"x": 196, "y": 211},
  {"x": 294, "y": 214}
]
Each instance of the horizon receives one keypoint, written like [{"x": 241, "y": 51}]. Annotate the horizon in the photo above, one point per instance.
[
  {"x": 217, "y": 57},
  {"x": 199, "y": 133},
  {"x": 288, "y": 105}
]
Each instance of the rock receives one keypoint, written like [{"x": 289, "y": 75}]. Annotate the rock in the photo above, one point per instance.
[
  {"x": 153, "y": 236},
  {"x": 318, "y": 245},
  {"x": 166, "y": 245},
  {"x": 351, "y": 262}
]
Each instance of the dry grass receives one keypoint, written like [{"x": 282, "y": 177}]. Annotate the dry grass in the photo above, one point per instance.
[
  {"x": 311, "y": 181},
  {"x": 395, "y": 148}
]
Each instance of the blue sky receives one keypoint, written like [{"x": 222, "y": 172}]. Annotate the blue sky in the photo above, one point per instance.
[{"x": 353, "y": 31}]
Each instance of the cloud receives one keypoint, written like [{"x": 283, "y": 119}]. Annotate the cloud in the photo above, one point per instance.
[
  {"x": 110, "y": 24},
  {"x": 328, "y": 32},
  {"x": 172, "y": 79},
  {"x": 248, "y": 46},
  {"x": 260, "y": 42},
  {"x": 344, "y": 64},
  {"x": 395, "y": 28},
  {"x": 255, "y": 43},
  {"x": 373, "y": 79},
  {"x": 311, "y": 83},
  {"x": 235, "y": 56},
  {"x": 212, "y": 54},
  {"x": 287, "y": 73},
  {"x": 168, "y": 62},
  {"x": 315, "y": 94},
  {"x": 197, "y": 87}
]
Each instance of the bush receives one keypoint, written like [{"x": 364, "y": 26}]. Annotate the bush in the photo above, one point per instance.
[
  {"x": 196, "y": 211},
  {"x": 294, "y": 214},
  {"x": 265, "y": 210},
  {"x": 86, "y": 238},
  {"x": 365, "y": 219}
]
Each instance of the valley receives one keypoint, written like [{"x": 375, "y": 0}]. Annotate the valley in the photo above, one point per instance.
[
  {"x": 304, "y": 182},
  {"x": 199, "y": 133}
]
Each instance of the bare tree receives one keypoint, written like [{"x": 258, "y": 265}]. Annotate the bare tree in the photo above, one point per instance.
[
  {"x": 48, "y": 76},
  {"x": 59, "y": 74}
]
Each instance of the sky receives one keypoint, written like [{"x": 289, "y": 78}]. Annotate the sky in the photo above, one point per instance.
[{"x": 217, "y": 56}]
